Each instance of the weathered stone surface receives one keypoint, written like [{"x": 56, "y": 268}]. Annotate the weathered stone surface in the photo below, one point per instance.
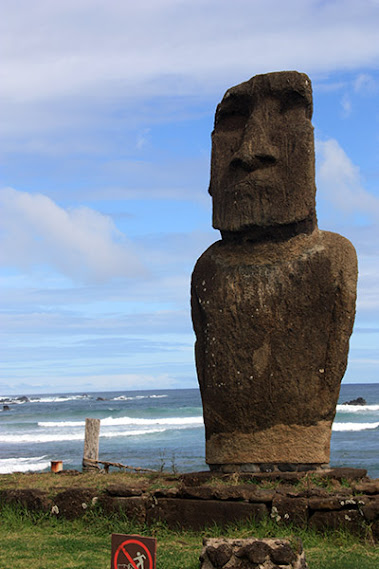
[
  {"x": 198, "y": 514},
  {"x": 122, "y": 490},
  {"x": 247, "y": 493},
  {"x": 369, "y": 487},
  {"x": 288, "y": 510},
  {"x": 31, "y": 499},
  {"x": 198, "y": 492},
  {"x": 273, "y": 302},
  {"x": 252, "y": 553},
  {"x": 219, "y": 556},
  {"x": 370, "y": 508},
  {"x": 262, "y": 166},
  {"x": 346, "y": 473},
  {"x": 357, "y": 401},
  {"x": 74, "y": 502},
  {"x": 167, "y": 492},
  {"x": 327, "y": 503},
  {"x": 134, "y": 507},
  {"x": 351, "y": 520}
]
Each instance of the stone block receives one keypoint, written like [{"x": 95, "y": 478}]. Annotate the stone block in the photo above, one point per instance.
[
  {"x": 134, "y": 507},
  {"x": 252, "y": 553},
  {"x": 370, "y": 509},
  {"x": 30, "y": 499},
  {"x": 124, "y": 490},
  {"x": 74, "y": 502},
  {"x": 199, "y": 514},
  {"x": 351, "y": 520},
  {"x": 289, "y": 510}
]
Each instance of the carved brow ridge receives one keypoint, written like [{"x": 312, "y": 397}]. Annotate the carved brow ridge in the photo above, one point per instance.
[{"x": 242, "y": 103}]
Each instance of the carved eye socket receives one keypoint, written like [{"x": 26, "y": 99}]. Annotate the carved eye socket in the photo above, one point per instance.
[
  {"x": 292, "y": 100},
  {"x": 231, "y": 121},
  {"x": 232, "y": 113}
]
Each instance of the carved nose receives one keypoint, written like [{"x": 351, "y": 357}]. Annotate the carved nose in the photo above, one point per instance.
[{"x": 254, "y": 154}]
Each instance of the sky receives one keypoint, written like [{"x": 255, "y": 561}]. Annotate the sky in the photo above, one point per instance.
[{"x": 106, "y": 111}]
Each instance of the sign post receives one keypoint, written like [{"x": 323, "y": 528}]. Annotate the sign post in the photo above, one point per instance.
[{"x": 133, "y": 552}]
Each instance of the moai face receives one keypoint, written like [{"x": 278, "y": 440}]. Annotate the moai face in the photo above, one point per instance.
[{"x": 262, "y": 167}]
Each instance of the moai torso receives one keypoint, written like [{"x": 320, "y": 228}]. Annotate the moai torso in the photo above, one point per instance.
[{"x": 273, "y": 302}]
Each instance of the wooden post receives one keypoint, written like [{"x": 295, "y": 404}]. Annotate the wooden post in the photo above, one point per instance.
[{"x": 91, "y": 444}]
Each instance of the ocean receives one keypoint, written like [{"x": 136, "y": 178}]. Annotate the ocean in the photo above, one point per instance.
[{"x": 160, "y": 429}]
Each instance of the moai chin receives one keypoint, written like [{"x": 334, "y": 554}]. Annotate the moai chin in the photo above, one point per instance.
[{"x": 273, "y": 302}]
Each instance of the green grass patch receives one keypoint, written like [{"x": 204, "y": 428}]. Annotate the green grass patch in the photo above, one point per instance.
[{"x": 40, "y": 541}]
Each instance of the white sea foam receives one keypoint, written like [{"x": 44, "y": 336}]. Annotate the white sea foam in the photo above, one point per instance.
[
  {"x": 357, "y": 408},
  {"x": 58, "y": 398},
  {"x": 134, "y": 397},
  {"x": 35, "y": 438},
  {"x": 23, "y": 464},
  {"x": 110, "y": 421},
  {"x": 354, "y": 426}
]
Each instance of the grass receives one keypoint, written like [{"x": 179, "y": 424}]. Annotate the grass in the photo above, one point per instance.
[
  {"x": 54, "y": 483},
  {"x": 39, "y": 541}
]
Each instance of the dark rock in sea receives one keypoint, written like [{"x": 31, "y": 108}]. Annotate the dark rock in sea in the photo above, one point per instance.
[
  {"x": 101, "y": 399},
  {"x": 23, "y": 398},
  {"x": 6, "y": 408},
  {"x": 357, "y": 401}
]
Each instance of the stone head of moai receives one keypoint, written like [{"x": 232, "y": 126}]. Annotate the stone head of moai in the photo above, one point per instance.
[
  {"x": 273, "y": 301},
  {"x": 263, "y": 166}
]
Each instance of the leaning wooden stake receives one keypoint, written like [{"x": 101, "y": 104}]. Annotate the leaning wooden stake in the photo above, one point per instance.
[{"x": 91, "y": 444}]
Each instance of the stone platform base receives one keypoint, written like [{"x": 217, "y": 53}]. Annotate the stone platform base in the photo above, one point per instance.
[
  {"x": 267, "y": 467},
  {"x": 249, "y": 553}
]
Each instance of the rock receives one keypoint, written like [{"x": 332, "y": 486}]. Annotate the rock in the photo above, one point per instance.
[
  {"x": 273, "y": 302},
  {"x": 23, "y": 399},
  {"x": 134, "y": 507},
  {"x": 351, "y": 520},
  {"x": 101, "y": 399},
  {"x": 369, "y": 508},
  {"x": 121, "y": 490},
  {"x": 199, "y": 514},
  {"x": 74, "y": 502},
  {"x": 6, "y": 408},
  {"x": 369, "y": 487},
  {"x": 30, "y": 499},
  {"x": 287, "y": 510},
  {"x": 358, "y": 401},
  {"x": 256, "y": 552},
  {"x": 252, "y": 553},
  {"x": 346, "y": 474},
  {"x": 219, "y": 556}
]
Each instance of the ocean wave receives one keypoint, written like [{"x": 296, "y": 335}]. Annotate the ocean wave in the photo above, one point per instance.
[
  {"x": 37, "y": 399},
  {"x": 357, "y": 408},
  {"x": 32, "y": 463},
  {"x": 134, "y": 397},
  {"x": 64, "y": 437},
  {"x": 58, "y": 398},
  {"x": 110, "y": 421},
  {"x": 354, "y": 426}
]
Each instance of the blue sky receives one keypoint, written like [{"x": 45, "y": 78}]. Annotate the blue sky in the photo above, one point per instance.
[{"x": 106, "y": 110}]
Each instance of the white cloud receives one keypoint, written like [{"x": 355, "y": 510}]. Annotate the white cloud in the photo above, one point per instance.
[
  {"x": 346, "y": 106},
  {"x": 81, "y": 243},
  {"x": 87, "y": 47},
  {"x": 340, "y": 181},
  {"x": 84, "y": 383},
  {"x": 365, "y": 84}
]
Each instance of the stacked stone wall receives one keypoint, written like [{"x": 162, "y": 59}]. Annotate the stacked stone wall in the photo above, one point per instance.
[{"x": 338, "y": 499}]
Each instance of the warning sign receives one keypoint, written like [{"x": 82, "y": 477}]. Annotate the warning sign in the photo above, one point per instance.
[{"x": 133, "y": 552}]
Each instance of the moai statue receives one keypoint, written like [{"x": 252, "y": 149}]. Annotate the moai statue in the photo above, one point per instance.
[{"x": 273, "y": 302}]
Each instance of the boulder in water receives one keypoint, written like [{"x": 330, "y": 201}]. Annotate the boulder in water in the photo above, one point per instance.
[{"x": 357, "y": 401}]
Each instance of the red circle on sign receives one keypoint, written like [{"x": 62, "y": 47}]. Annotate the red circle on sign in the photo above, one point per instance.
[{"x": 122, "y": 547}]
